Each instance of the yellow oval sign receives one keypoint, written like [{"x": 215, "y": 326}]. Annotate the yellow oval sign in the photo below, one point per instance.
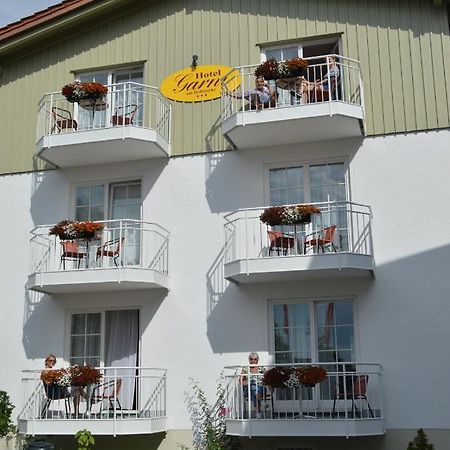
[{"x": 197, "y": 84}]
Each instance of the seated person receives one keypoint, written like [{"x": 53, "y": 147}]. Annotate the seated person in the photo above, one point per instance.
[
  {"x": 253, "y": 384},
  {"x": 260, "y": 97},
  {"x": 322, "y": 88},
  {"x": 299, "y": 92}
]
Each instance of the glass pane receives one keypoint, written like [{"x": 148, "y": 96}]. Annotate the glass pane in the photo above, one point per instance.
[
  {"x": 94, "y": 323},
  {"x": 282, "y": 339},
  {"x": 77, "y": 346},
  {"x": 119, "y": 195},
  {"x": 78, "y": 361},
  {"x": 274, "y": 53},
  {"x": 290, "y": 52},
  {"x": 98, "y": 195},
  {"x": 283, "y": 358},
  {"x": 336, "y": 173},
  {"x": 78, "y": 324},
  {"x": 344, "y": 313},
  {"x": 93, "y": 361},
  {"x": 327, "y": 356},
  {"x": 345, "y": 337},
  {"x": 119, "y": 212},
  {"x": 294, "y": 196},
  {"x": 345, "y": 356},
  {"x": 318, "y": 175},
  {"x": 82, "y": 196},
  {"x": 82, "y": 213},
  {"x": 299, "y": 315},
  {"x": 324, "y": 314},
  {"x": 134, "y": 212},
  {"x": 301, "y": 339},
  {"x": 97, "y": 213},
  {"x": 319, "y": 194},
  {"x": 134, "y": 193},
  {"x": 279, "y": 315},
  {"x": 278, "y": 197},
  {"x": 277, "y": 178},
  {"x": 92, "y": 345},
  {"x": 295, "y": 177},
  {"x": 301, "y": 357},
  {"x": 326, "y": 338}
]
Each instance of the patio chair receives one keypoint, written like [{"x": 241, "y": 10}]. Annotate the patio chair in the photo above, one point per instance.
[
  {"x": 109, "y": 391},
  {"x": 55, "y": 392},
  {"x": 62, "y": 120},
  {"x": 124, "y": 115},
  {"x": 111, "y": 249},
  {"x": 280, "y": 242},
  {"x": 71, "y": 253},
  {"x": 356, "y": 389},
  {"x": 320, "y": 239}
]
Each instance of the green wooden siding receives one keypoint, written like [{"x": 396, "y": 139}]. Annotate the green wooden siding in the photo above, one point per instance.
[{"x": 400, "y": 43}]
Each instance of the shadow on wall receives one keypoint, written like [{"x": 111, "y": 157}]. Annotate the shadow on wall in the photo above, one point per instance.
[
  {"x": 51, "y": 197},
  {"x": 44, "y": 322},
  {"x": 238, "y": 322}
]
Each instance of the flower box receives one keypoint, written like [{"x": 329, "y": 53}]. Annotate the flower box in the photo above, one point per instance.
[
  {"x": 77, "y": 91},
  {"x": 275, "y": 70},
  {"x": 288, "y": 215},
  {"x": 68, "y": 230}
]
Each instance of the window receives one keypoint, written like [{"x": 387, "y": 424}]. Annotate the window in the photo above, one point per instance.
[
  {"x": 316, "y": 183},
  {"x": 319, "y": 331},
  {"x": 124, "y": 201},
  {"x": 85, "y": 338},
  {"x": 104, "y": 338},
  {"x": 117, "y": 98}
]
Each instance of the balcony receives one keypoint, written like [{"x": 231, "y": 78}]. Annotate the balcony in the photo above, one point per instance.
[
  {"x": 131, "y": 123},
  {"x": 252, "y": 255},
  {"x": 347, "y": 403},
  {"x": 293, "y": 119},
  {"x": 125, "y": 255},
  {"x": 140, "y": 409}
]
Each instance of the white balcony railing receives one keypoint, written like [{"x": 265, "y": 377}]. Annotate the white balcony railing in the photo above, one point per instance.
[
  {"x": 130, "y": 394},
  {"x": 125, "y": 104},
  {"x": 248, "y": 238},
  {"x": 348, "y": 88},
  {"x": 122, "y": 246},
  {"x": 351, "y": 393}
]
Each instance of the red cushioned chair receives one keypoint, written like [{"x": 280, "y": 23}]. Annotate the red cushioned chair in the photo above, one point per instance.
[
  {"x": 321, "y": 239},
  {"x": 280, "y": 242}
]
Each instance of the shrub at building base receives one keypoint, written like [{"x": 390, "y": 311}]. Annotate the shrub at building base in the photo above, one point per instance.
[
  {"x": 420, "y": 442},
  {"x": 85, "y": 440},
  {"x": 208, "y": 420},
  {"x": 6, "y": 407}
]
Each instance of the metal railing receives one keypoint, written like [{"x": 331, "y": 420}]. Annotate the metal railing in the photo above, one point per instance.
[
  {"x": 123, "y": 393},
  {"x": 121, "y": 243},
  {"x": 347, "y": 88},
  {"x": 350, "y": 391},
  {"x": 246, "y": 237},
  {"x": 125, "y": 104}
]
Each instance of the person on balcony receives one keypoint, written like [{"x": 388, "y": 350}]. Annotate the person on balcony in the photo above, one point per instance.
[
  {"x": 57, "y": 392},
  {"x": 327, "y": 85},
  {"x": 260, "y": 97},
  {"x": 299, "y": 92},
  {"x": 251, "y": 381}
]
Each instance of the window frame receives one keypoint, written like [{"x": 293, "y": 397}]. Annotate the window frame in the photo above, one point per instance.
[
  {"x": 312, "y": 300},
  {"x": 307, "y": 183},
  {"x": 107, "y": 201},
  {"x": 102, "y": 311}
]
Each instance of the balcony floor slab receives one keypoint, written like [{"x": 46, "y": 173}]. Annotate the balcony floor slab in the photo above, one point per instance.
[
  {"x": 293, "y": 124},
  {"x": 126, "y": 426},
  {"x": 304, "y": 267},
  {"x": 97, "y": 280},
  {"x": 109, "y": 145},
  {"x": 312, "y": 427}
]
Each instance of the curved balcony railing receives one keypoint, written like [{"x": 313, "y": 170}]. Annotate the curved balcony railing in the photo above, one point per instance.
[
  {"x": 125, "y": 104},
  {"x": 129, "y": 393},
  {"x": 249, "y": 238},
  {"x": 348, "y": 88},
  {"x": 122, "y": 243},
  {"x": 350, "y": 392}
]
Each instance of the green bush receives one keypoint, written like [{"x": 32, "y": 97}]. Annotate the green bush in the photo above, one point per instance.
[
  {"x": 6, "y": 407},
  {"x": 420, "y": 442},
  {"x": 85, "y": 440}
]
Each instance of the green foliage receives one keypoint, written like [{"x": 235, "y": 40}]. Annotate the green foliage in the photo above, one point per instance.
[
  {"x": 85, "y": 440},
  {"x": 420, "y": 442},
  {"x": 6, "y": 407},
  {"x": 208, "y": 420}
]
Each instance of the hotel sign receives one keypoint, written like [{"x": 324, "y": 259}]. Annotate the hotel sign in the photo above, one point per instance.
[{"x": 197, "y": 84}]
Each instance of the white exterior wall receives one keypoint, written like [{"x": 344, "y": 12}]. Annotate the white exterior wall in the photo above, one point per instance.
[{"x": 200, "y": 326}]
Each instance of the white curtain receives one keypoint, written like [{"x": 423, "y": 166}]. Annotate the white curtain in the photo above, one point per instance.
[{"x": 122, "y": 335}]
